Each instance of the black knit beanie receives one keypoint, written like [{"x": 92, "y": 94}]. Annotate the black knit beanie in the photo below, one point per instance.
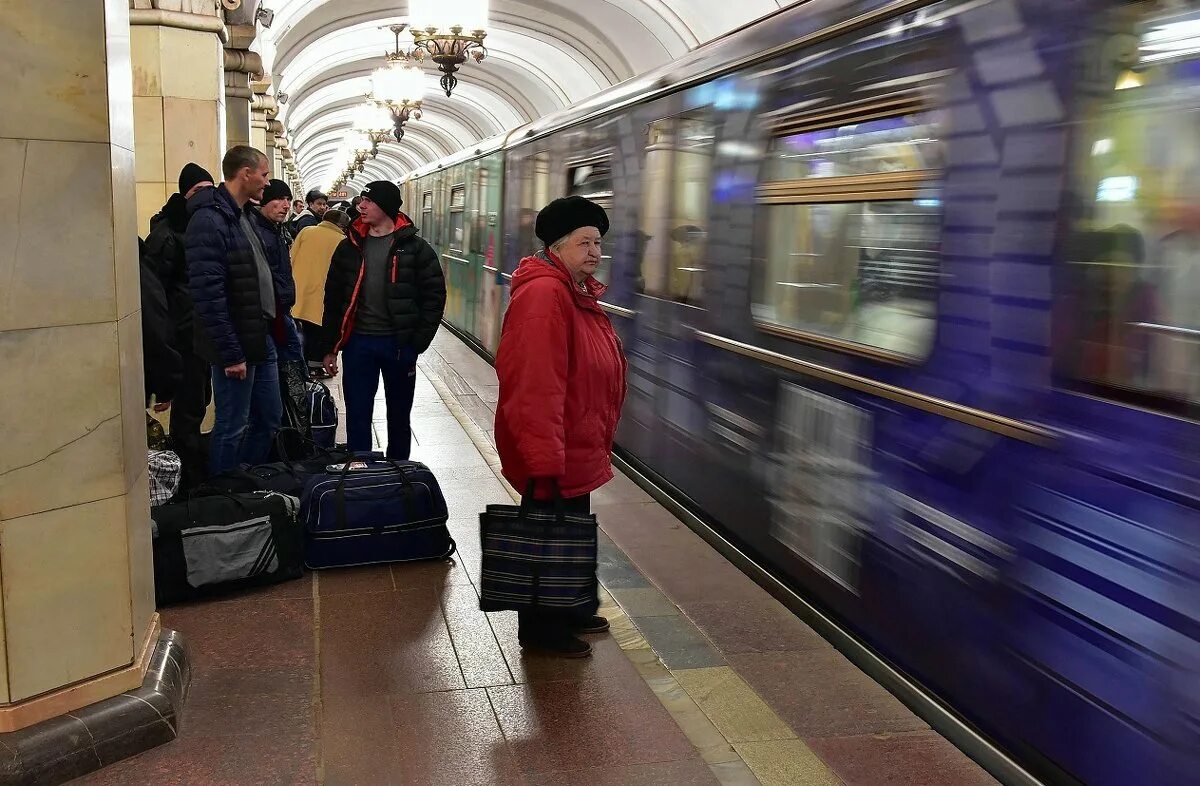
[
  {"x": 277, "y": 189},
  {"x": 385, "y": 194},
  {"x": 192, "y": 174}
]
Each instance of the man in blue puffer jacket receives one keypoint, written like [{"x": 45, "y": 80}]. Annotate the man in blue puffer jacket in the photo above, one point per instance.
[{"x": 234, "y": 289}]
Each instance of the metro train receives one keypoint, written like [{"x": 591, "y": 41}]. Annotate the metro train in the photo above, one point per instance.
[{"x": 910, "y": 293}]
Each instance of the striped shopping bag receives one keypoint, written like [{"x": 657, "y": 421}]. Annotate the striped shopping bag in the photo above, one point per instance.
[{"x": 537, "y": 560}]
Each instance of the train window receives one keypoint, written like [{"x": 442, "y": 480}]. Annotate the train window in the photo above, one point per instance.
[
  {"x": 592, "y": 180},
  {"x": 852, "y": 221},
  {"x": 677, "y": 174},
  {"x": 427, "y": 215},
  {"x": 458, "y": 202},
  {"x": 479, "y": 207},
  {"x": 1128, "y": 321},
  {"x": 894, "y": 144},
  {"x": 535, "y": 193}
]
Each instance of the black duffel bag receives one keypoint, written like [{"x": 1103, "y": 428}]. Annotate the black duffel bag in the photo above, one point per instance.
[{"x": 211, "y": 545}]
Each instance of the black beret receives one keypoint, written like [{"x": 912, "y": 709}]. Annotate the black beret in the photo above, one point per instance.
[{"x": 563, "y": 216}]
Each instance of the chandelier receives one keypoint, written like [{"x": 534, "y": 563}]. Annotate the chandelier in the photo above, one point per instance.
[
  {"x": 450, "y": 31},
  {"x": 399, "y": 86}
]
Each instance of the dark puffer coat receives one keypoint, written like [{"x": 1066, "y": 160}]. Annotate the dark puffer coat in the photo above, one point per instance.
[
  {"x": 165, "y": 245},
  {"x": 224, "y": 282},
  {"x": 275, "y": 242},
  {"x": 416, "y": 288}
]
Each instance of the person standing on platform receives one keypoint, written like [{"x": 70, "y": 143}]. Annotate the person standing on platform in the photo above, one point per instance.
[
  {"x": 165, "y": 246},
  {"x": 384, "y": 298},
  {"x": 562, "y": 385},
  {"x": 233, "y": 287},
  {"x": 311, "y": 254},
  {"x": 318, "y": 203}
]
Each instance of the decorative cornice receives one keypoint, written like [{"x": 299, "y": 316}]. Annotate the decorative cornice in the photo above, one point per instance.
[
  {"x": 179, "y": 20},
  {"x": 244, "y": 61}
]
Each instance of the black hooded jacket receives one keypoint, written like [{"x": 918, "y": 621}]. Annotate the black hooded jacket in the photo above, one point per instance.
[
  {"x": 416, "y": 293},
  {"x": 165, "y": 246}
]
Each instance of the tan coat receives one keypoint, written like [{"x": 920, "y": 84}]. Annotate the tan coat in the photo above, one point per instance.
[{"x": 311, "y": 253}]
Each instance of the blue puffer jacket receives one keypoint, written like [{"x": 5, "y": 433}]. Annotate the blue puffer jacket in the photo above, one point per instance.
[{"x": 223, "y": 280}]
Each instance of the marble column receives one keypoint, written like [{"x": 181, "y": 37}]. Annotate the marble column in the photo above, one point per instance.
[
  {"x": 77, "y": 614},
  {"x": 178, "y": 98}
]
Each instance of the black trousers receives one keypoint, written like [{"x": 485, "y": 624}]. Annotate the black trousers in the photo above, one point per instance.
[
  {"x": 312, "y": 342},
  {"x": 553, "y": 620},
  {"x": 187, "y": 415}
]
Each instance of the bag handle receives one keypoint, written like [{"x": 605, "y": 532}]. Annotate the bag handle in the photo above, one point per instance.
[
  {"x": 204, "y": 490},
  {"x": 560, "y": 511},
  {"x": 339, "y": 494}
]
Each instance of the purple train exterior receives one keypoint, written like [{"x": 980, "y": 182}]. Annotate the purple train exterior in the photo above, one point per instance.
[{"x": 978, "y": 449}]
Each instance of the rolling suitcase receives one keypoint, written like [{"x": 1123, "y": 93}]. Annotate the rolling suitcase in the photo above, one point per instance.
[
  {"x": 369, "y": 511},
  {"x": 216, "y": 544}
]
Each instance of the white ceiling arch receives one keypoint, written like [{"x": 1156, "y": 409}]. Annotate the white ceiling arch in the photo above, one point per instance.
[{"x": 543, "y": 55}]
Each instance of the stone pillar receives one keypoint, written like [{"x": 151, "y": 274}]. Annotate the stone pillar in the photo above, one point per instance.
[
  {"x": 77, "y": 618},
  {"x": 178, "y": 98},
  {"x": 262, "y": 111},
  {"x": 241, "y": 68}
]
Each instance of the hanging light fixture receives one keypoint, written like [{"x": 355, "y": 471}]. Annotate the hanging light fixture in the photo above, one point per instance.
[
  {"x": 399, "y": 85},
  {"x": 450, "y": 31}
]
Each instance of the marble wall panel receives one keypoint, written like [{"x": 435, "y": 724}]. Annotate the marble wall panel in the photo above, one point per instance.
[
  {"x": 141, "y": 557},
  {"x": 192, "y": 64},
  {"x": 125, "y": 232},
  {"x": 148, "y": 130},
  {"x": 68, "y": 446},
  {"x": 57, "y": 277},
  {"x": 133, "y": 397},
  {"x": 66, "y": 595},
  {"x": 146, "y": 65},
  {"x": 55, "y": 76},
  {"x": 190, "y": 130},
  {"x": 120, "y": 74}
]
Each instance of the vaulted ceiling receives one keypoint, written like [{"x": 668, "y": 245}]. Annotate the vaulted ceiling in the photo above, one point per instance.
[{"x": 543, "y": 55}]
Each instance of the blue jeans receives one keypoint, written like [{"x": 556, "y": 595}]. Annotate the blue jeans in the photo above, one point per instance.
[
  {"x": 364, "y": 358},
  {"x": 249, "y": 412}
]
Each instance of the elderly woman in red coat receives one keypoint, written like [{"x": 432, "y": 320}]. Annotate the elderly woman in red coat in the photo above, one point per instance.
[{"x": 562, "y": 384}]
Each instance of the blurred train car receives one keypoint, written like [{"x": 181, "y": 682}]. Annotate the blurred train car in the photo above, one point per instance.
[{"x": 911, "y": 297}]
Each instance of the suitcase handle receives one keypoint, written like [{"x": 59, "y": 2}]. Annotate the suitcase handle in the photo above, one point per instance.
[{"x": 339, "y": 494}]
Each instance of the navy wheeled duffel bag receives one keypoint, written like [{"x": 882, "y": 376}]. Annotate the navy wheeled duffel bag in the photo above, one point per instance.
[{"x": 365, "y": 512}]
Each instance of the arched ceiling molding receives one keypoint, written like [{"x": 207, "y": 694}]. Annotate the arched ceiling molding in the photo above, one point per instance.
[
  {"x": 556, "y": 71},
  {"x": 709, "y": 20},
  {"x": 637, "y": 41},
  {"x": 509, "y": 93},
  {"x": 342, "y": 116},
  {"x": 492, "y": 113},
  {"x": 442, "y": 107},
  {"x": 328, "y": 155},
  {"x": 339, "y": 122},
  {"x": 417, "y": 141}
]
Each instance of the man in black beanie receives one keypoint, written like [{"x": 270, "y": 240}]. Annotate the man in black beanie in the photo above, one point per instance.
[
  {"x": 384, "y": 298},
  {"x": 164, "y": 253}
]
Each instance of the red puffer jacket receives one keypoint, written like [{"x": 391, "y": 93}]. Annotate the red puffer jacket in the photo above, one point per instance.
[{"x": 562, "y": 381}]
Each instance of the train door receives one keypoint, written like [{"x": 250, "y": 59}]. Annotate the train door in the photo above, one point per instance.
[
  {"x": 460, "y": 281},
  {"x": 666, "y": 409},
  {"x": 486, "y": 237}
]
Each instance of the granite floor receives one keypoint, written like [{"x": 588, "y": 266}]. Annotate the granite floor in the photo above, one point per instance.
[{"x": 392, "y": 675}]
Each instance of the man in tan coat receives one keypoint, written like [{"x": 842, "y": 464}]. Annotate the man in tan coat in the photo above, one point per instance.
[{"x": 311, "y": 253}]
